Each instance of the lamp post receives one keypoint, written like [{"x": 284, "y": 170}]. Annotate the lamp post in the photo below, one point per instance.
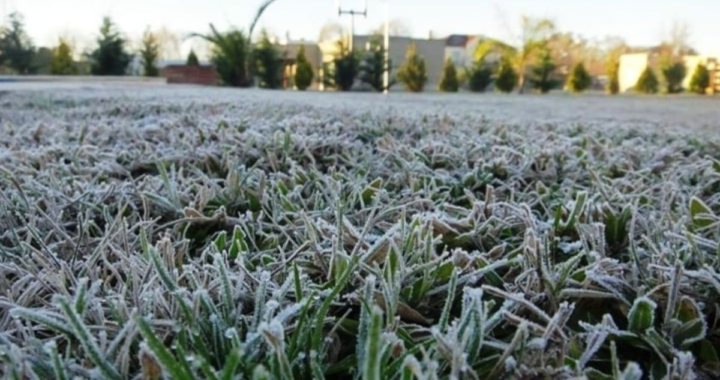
[{"x": 352, "y": 13}]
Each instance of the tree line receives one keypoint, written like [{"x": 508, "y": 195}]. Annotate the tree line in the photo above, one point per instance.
[{"x": 542, "y": 59}]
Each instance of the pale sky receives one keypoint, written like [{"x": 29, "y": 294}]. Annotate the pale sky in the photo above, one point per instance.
[{"x": 640, "y": 22}]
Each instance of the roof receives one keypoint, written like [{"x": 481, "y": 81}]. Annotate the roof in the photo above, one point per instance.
[{"x": 457, "y": 40}]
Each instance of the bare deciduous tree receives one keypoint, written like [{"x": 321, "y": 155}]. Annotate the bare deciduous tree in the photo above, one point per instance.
[
  {"x": 397, "y": 28},
  {"x": 331, "y": 31},
  {"x": 169, "y": 42},
  {"x": 534, "y": 34}
]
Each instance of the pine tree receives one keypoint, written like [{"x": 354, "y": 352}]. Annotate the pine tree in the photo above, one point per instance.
[
  {"x": 542, "y": 74},
  {"x": 506, "y": 77},
  {"x": 479, "y": 77},
  {"x": 268, "y": 63},
  {"x": 647, "y": 83},
  {"x": 110, "y": 57},
  {"x": 16, "y": 47},
  {"x": 192, "y": 59},
  {"x": 413, "y": 73},
  {"x": 149, "y": 54},
  {"x": 62, "y": 62},
  {"x": 700, "y": 80},
  {"x": 579, "y": 79},
  {"x": 372, "y": 66},
  {"x": 342, "y": 72},
  {"x": 674, "y": 74},
  {"x": 613, "y": 73},
  {"x": 449, "y": 81},
  {"x": 303, "y": 70}
]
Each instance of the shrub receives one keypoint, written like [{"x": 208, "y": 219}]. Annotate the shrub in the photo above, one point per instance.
[
  {"x": 506, "y": 78},
  {"x": 647, "y": 83},
  {"x": 700, "y": 80},
  {"x": 110, "y": 57},
  {"x": 303, "y": 70},
  {"x": 449, "y": 81},
  {"x": 343, "y": 70},
  {"x": 62, "y": 62},
  {"x": 479, "y": 77},
  {"x": 413, "y": 73},
  {"x": 674, "y": 74},
  {"x": 149, "y": 53},
  {"x": 542, "y": 74},
  {"x": 267, "y": 64},
  {"x": 579, "y": 79},
  {"x": 192, "y": 59}
]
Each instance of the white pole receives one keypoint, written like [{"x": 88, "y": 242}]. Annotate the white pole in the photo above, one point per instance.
[{"x": 386, "y": 45}]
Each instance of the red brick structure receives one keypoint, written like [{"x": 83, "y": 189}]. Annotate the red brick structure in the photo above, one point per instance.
[{"x": 183, "y": 74}]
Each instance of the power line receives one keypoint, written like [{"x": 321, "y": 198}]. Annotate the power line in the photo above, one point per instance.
[{"x": 352, "y": 13}]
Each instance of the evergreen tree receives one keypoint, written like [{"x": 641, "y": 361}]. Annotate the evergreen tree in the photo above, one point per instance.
[
  {"x": 110, "y": 57},
  {"x": 542, "y": 74},
  {"x": 479, "y": 77},
  {"x": 62, "y": 61},
  {"x": 149, "y": 54},
  {"x": 506, "y": 78},
  {"x": 268, "y": 63},
  {"x": 343, "y": 71},
  {"x": 413, "y": 73},
  {"x": 700, "y": 80},
  {"x": 613, "y": 73},
  {"x": 192, "y": 59},
  {"x": 674, "y": 74},
  {"x": 41, "y": 61},
  {"x": 303, "y": 70},
  {"x": 579, "y": 79},
  {"x": 449, "y": 81},
  {"x": 647, "y": 83},
  {"x": 16, "y": 47},
  {"x": 372, "y": 66}
]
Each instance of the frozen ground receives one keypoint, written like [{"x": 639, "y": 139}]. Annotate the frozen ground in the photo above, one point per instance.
[
  {"x": 512, "y": 237},
  {"x": 591, "y": 109}
]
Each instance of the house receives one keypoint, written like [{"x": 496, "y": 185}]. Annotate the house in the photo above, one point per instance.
[{"x": 456, "y": 49}]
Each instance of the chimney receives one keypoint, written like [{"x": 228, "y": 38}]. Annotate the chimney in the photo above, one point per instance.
[{"x": 430, "y": 35}]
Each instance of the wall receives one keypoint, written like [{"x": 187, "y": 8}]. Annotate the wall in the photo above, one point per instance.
[
  {"x": 458, "y": 55},
  {"x": 433, "y": 50},
  {"x": 691, "y": 63},
  {"x": 181, "y": 74},
  {"x": 631, "y": 67}
]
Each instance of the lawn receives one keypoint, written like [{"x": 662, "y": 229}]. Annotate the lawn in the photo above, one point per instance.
[{"x": 152, "y": 232}]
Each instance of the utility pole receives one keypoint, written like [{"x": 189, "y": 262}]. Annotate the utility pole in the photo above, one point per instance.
[
  {"x": 386, "y": 46},
  {"x": 352, "y": 13}
]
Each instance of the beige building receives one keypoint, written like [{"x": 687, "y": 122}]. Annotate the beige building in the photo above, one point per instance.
[{"x": 633, "y": 65}]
